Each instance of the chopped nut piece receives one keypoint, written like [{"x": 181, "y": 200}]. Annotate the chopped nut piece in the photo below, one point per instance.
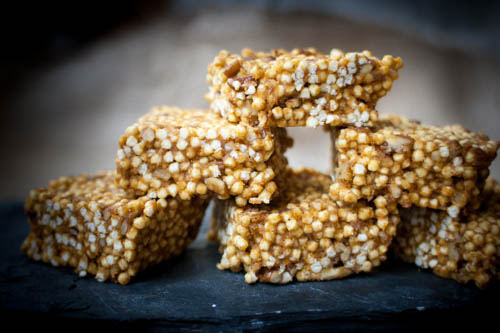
[
  {"x": 313, "y": 89},
  {"x": 87, "y": 222},
  {"x": 303, "y": 233},
  {"x": 231, "y": 69},
  {"x": 426, "y": 166},
  {"x": 201, "y": 151},
  {"x": 464, "y": 248}
]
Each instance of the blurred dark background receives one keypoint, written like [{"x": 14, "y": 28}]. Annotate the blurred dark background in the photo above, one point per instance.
[{"x": 74, "y": 75}]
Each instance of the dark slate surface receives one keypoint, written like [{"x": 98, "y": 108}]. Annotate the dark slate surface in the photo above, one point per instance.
[{"x": 189, "y": 293}]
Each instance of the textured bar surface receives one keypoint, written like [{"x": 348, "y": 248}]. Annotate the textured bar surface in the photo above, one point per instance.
[
  {"x": 427, "y": 166},
  {"x": 303, "y": 234},
  {"x": 299, "y": 88},
  {"x": 88, "y": 223},
  {"x": 464, "y": 248},
  {"x": 185, "y": 153}
]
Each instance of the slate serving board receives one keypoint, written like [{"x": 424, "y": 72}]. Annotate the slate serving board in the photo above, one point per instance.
[{"x": 189, "y": 294}]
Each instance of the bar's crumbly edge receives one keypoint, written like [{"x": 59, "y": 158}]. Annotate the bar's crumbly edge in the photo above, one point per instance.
[
  {"x": 186, "y": 153},
  {"x": 300, "y": 88},
  {"x": 465, "y": 248},
  {"x": 427, "y": 166},
  {"x": 86, "y": 222},
  {"x": 303, "y": 234}
]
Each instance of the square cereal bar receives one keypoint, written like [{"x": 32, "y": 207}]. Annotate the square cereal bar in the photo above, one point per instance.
[
  {"x": 465, "y": 248},
  {"x": 303, "y": 233},
  {"x": 88, "y": 223},
  {"x": 187, "y": 153},
  {"x": 299, "y": 88},
  {"x": 427, "y": 166}
]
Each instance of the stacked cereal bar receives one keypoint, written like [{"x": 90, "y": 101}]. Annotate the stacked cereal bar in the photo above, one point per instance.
[
  {"x": 426, "y": 166},
  {"x": 299, "y": 88},
  {"x": 464, "y": 248},
  {"x": 438, "y": 174},
  {"x": 186, "y": 153},
  {"x": 303, "y": 233},
  {"x": 88, "y": 223}
]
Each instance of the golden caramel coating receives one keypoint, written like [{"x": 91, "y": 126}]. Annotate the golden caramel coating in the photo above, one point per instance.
[
  {"x": 427, "y": 166},
  {"x": 463, "y": 248},
  {"x": 303, "y": 233},
  {"x": 88, "y": 223},
  {"x": 172, "y": 152},
  {"x": 299, "y": 88}
]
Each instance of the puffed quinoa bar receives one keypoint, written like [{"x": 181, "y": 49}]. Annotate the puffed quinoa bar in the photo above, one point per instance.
[
  {"x": 187, "y": 153},
  {"x": 299, "y": 88},
  {"x": 88, "y": 223},
  {"x": 427, "y": 166},
  {"x": 303, "y": 233},
  {"x": 465, "y": 248}
]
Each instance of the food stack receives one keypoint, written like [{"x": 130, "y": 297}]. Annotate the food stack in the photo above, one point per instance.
[{"x": 422, "y": 190}]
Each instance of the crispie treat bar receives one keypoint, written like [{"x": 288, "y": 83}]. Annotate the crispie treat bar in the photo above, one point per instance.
[
  {"x": 187, "y": 153},
  {"x": 299, "y": 88},
  {"x": 88, "y": 223},
  {"x": 464, "y": 248},
  {"x": 427, "y": 166},
  {"x": 303, "y": 233}
]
